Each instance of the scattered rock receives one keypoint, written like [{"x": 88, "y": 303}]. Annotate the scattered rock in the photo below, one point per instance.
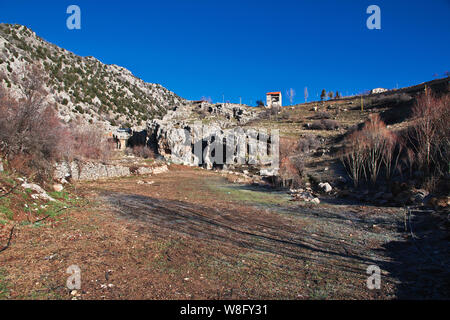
[
  {"x": 439, "y": 203},
  {"x": 420, "y": 195},
  {"x": 1, "y": 165},
  {"x": 40, "y": 193},
  {"x": 268, "y": 172},
  {"x": 315, "y": 200},
  {"x": 50, "y": 257},
  {"x": 58, "y": 187},
  {"x": 325, "y": 187}
]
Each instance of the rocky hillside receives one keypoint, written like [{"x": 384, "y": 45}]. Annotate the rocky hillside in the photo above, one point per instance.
[{"x": 83, "y": 87}]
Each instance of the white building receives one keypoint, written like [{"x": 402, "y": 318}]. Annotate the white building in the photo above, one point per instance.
[
  {"x": 273, "y": 99},
  {"x": 378, "y": 90}
]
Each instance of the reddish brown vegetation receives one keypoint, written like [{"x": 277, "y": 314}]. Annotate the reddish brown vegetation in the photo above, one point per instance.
[
  {"x": 430, "y": 134},
  {"x": 369, "y": 149},
  {"x": 292, "y": 159},
  {"x": 141, "y": 151},
  {"x": 32, "y": 137},
  {"x": 425, "y": 145}
]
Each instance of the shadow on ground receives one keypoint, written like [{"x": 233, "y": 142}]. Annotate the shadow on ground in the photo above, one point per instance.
[
  {"x": 421, "y": 261},
  {"x": 263, "y": 232}
]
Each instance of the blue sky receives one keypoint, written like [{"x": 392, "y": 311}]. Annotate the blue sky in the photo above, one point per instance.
[{"x": 245, "y": 48}]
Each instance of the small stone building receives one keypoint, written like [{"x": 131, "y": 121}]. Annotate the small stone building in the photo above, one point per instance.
[
  {"x": 121, "y": 137},
  {"x": 273, "y": 99}
]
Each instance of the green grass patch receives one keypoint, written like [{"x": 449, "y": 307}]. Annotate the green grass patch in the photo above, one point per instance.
[
  {"x": 253, "y": 195},
  {"x": 4, "y": 290},
  {"x": 61, "y": 195},
  {"x": 5, "y": 208}
]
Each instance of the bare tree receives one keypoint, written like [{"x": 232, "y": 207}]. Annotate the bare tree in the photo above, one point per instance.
[
  {"x": 330, "y": 94},
  {"x": 29, "y": 128},
  {"x": 206, "y": 99},
  {"x": 290, "y": 94},
  {"x": 429, "y": 135},
  {"x": 32, "y": 137}
]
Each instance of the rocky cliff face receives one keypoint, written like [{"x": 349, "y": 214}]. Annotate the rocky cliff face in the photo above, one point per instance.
[
  {"x": 214, "y": 140},
  {"x": 82, "y": 87}
]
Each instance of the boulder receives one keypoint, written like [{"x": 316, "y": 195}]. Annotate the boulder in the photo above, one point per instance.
[
  {"x": 325, "y": 187},
  {"x": 39, "y": 192},
  {"x": 439, "y": 203},
  {"x": 58, "y": 187},
  {"x": 268, "y": 172},
  {"x": 420, "y": 195}
]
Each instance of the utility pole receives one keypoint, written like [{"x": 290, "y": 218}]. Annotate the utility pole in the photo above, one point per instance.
[{"x": 240, "y": 100}]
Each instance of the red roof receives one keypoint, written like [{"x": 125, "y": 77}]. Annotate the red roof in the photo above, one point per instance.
[{"x": 273, "y": 93}]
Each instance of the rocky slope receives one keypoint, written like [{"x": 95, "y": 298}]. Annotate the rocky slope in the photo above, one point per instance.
[{"x": 83, "y": 87}]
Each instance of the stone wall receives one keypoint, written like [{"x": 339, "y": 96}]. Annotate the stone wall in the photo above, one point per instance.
[{"x": 89, "y": 170}]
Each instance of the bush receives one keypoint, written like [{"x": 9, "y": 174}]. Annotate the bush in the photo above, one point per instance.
[
  {"x": 322, "y": 115},
  {"x": 84, "y": 142},
  {"x": 325, "y": 124},
  {"x": 292, "y": 160},
  {"x": 29, "y": 146},
  {"x": 141, "y": 152},
  {"x": 308, "y": 144},
  {"x": 429, "y": 136},
  {"x": 368, "y": 149},
  {"x": 33, "y": 138}
]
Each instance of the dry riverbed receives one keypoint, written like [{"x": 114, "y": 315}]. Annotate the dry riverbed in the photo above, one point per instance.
[{"x": 190, "y": 234}]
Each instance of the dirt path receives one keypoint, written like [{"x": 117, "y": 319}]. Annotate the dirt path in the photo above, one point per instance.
[{"x": 189, "y": 234}]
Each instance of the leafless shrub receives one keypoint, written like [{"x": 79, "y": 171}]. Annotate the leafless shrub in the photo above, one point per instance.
[
  {"x": 366, "y": 151},
  {"x": 354, "y": 156},
  {"x": 292, "y": 160},
  {"x": 429, "y": 135},
  {"x": 141, "y": 152},
  {"x": 85, "y": 142},
  {"x": 308, "y": 143},
  {"x": 325, "y": 124},
  {"x": 29, "y": 127},
  {"x": 32, "y": 137},
  {"x": 322, "y": 115}
]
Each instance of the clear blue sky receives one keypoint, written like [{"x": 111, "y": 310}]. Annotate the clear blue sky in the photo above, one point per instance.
[{"x": 245, "y": 48}]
